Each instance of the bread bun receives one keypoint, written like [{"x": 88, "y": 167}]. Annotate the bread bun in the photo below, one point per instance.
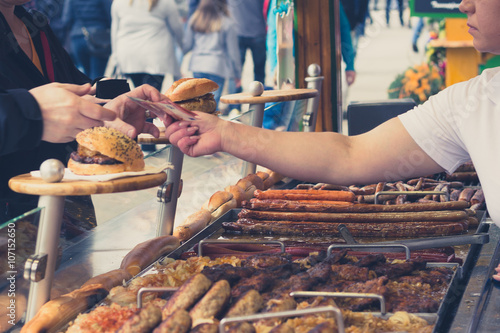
[
  {"x": 273, "y": 178},
  {"x": 225, "y": 207},
  {"x": 256, "y": 180},
  {"x": 248, "y": 188},
  {"x": 194, "y": 94},
  {"x": 104, "y": 150},
  {"x": 193, "y": 224},
  {"x": 216, "y": 200},
  {"x": 237, "y": 192},
  {"x": 188, "y": 88},
  {"x": 263, "y": 175}
]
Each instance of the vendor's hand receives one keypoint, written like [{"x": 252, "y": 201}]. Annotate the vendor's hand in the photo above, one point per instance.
[
  {"x": 497, "y": 275},
  {"x": 350, "y": 77},
  {"x": 131, "y": 118},
  {"x": 199, "y": 137},
  {"x": 65, "y": 113}
]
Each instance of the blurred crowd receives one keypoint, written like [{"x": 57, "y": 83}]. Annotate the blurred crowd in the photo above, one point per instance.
[{"x": 146, "y": 41}]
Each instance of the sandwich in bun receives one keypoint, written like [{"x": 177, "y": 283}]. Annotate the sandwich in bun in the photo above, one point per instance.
[
  {"x": 194, "y": 94},
  {"x": 103, "y": 150}
]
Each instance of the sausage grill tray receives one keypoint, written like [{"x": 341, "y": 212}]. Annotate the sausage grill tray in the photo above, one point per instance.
[{"x": 441, "y": 318}]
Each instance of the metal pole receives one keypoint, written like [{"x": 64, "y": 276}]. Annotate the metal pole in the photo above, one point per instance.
[
  {"x": 47, "y": 243},
  {"x": 169, "y": 192},
  {"x": 338, "y": 59},
  {"x": 256, "y": 120},
  {"x": 314, "y": 81}
]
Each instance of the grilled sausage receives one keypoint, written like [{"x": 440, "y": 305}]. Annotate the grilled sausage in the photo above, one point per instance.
[
  {"x": 143, "y": 321},
  {"x": 452, "y": 215},
  {"x": 394, "y": 229},
  {"x": 195, "y": 287},
  {"x": 330, "y": 207},
  {"x": 251, "y": 302},
  {"x": 212, "y": 303},
  {"x": 177, "y": 322}
]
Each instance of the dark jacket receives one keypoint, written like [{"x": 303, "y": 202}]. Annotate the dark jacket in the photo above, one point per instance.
[{"x": 21, "y": 125}]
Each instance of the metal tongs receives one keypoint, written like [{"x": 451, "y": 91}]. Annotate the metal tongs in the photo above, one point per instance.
[{"x": 423, "y": 243}]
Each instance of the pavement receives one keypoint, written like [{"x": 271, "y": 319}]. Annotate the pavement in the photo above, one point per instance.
[{"x": 383, "y": 53}]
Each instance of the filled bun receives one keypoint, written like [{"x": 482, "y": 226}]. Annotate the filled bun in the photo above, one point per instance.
[
  {"x": 103, "y": 150},
  {"x": 194, "y": 94}
]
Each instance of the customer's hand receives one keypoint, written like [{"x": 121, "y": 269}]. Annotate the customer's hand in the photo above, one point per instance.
[
  {"x": 65, "y": 113},
  {"x": 497, "y": 275},
  {"x": 350, "y": 77},
  {"x": 198, "y": 137},
  {"x": 131, "y": 118}
]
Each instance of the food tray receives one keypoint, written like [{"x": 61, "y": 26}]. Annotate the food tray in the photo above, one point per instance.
[{"x": 446, "y": 308}]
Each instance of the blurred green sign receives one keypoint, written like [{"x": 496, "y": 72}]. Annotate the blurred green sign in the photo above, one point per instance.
[{"x": 436, "y": 8}]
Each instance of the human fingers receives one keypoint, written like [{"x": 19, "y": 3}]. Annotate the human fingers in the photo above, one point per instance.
[
  {"x": 187, "y": 145},
  {"x": 182, "y": 132},
  {"x": 80, "y": 90},
  {"x": 174, "y": 127},
  {"x": 151, "y": 128},
  {"x": 123, "y": 127},
  {"x": 148, "y": 92},
  {"x": 95, "y": 111}
]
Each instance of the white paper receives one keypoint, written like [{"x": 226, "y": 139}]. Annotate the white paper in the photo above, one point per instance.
[{"x": 148, "y": 170}]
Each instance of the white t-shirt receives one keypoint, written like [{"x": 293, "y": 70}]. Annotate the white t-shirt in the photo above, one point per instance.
[{"x": 462, "y": 123}]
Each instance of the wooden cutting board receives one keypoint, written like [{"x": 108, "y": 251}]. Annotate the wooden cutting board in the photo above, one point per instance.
[
  {"x": 269, "y": 96},
  {"x": 37, "y": 186}
]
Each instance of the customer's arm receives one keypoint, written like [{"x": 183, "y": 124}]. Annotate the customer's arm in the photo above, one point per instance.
[{"x": 386, "y": 153}]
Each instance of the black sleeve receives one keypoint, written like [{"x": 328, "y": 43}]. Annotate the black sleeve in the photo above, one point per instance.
[{"x": 21, "y": 123}]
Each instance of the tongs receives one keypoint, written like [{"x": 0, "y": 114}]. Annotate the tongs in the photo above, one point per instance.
[{"x": 424, "y": 243}]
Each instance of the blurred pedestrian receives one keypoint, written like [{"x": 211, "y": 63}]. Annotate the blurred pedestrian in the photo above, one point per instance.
[
  {"x": 356, "y": 12},
  {"x": 251, "y": 30},
  {"x": 89, "y": 22},
  {"x": 144, "y": 34},
  {"x": 417, "y": 31},
  {"x": 211, "y": 37},
  {"x": 400, "y": 10}
]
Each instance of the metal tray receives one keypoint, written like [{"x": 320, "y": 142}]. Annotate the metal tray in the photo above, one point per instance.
[{"x": 452, "y": 296}]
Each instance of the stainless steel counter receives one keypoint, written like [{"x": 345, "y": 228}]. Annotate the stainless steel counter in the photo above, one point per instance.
[{"x": 479, "y": 309}]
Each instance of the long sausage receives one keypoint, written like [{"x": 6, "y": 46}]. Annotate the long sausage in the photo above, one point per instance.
[
  {"x": 466, "y": 194},
  {"x": 330, "y": 207},
  {"x": 305, "y": 195},
  {"x": 397, "y": 229},
  {"x": 451, "y": 215}
]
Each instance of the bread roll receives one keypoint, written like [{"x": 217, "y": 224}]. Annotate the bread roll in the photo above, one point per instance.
[
  {"x": 193, "y": 224},
  {"x": 248, "y": 188},
  {"x": 237, "y": 192}
]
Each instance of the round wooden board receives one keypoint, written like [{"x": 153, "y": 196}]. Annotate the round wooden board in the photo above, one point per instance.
[
  {"x": 37, "y": 186},
  {"x": 269, "y": 96},
  {"x": 149, "y": 139}
]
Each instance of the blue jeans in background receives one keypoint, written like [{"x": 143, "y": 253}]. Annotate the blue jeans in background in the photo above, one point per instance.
[{"x": 92, "y": 66}]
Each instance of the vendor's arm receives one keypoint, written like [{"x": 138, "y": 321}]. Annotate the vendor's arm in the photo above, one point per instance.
[{"x": 319, "y": 156}]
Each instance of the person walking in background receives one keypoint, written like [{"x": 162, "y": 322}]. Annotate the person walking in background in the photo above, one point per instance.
[
  {"x": 144, "y": 34},
  {"x": 388, "y": 11},
  {"x": 211, "y": 37},
  {"x": 251, "y": 29},
  {"x": 89, "y": 22},
  {"x": 356, "y": 12}
]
